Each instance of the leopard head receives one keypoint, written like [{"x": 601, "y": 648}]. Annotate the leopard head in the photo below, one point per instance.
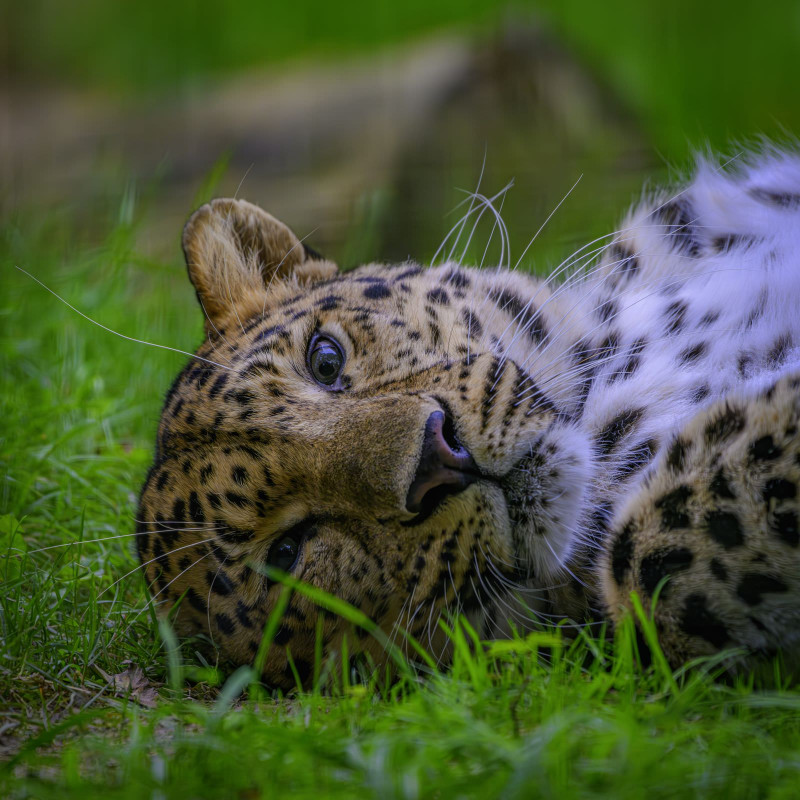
[{"x": 375, "y": 434}]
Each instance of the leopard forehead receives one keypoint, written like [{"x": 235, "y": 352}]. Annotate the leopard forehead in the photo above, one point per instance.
[{"x": 387, "y": 318}]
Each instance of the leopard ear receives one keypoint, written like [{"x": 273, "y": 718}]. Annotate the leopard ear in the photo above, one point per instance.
[{"x": 235, "y": 252}]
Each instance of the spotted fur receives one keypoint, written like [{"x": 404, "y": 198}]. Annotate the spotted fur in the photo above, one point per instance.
[{"x": 631, "y": 428}]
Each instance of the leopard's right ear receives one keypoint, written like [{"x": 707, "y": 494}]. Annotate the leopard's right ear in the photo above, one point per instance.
[{"x": 236, "y": 254}]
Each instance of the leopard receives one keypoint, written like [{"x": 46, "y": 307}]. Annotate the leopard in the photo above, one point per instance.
[{"x": 428, "y": 443}]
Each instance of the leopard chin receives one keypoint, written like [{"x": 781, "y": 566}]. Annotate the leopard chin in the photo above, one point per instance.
[{"x": 545, "y": 495}]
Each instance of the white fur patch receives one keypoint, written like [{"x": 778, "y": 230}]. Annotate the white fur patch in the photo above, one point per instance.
[{"x": 703, "y": 297}]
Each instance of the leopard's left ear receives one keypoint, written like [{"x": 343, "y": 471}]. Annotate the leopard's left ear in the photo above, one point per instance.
[{"x": 234, "y": 253}]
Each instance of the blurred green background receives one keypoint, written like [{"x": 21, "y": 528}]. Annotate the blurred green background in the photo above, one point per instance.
[
  {"x": 692, "y": 70},
  {"x": 361, "y": 120}
]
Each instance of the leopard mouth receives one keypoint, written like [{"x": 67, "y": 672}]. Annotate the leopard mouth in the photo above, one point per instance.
[
  {"x": 516, "y": 499},
  {"x": 438, "y": 496}
]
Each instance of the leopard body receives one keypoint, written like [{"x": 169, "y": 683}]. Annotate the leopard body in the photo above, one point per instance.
[{"x": 629, "y": 424}]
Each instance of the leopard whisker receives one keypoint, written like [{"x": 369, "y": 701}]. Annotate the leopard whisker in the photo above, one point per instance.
[
  {"x": 558, "y": 293},
  {"x": 117, "y": 333},
  {"x": 491, "y": 233},
  {"x": 567, "y": 263},
  {"x": 216, "y": 329},
  {"x": 80, "y": 542},
  {"x": 488, "y": 205},
  {"x": 490, "y": 557},
  {"x": 208, "y": 598},
  {"x": 511, "y": 612},
  {"x": 397, "y": 624},
  {"x": 472, "y": 210},
  {"x": 160, "y": 522},
  {"x": 280, "y": 264},
  {"x": 146, "y": 563},
  {"x": 580, "y": 275},
  {"x": 456, "y": 596},
  {"x": 601, "y": 325},
  {"x": 152, "y": 600},
  {"x": 483, "y": 258},
  {"x": 550, "y": 383},
  {"x": 549, "y": 217},
  {"x": 542, "y": 616},
  {"x": 471, "y": 199}
]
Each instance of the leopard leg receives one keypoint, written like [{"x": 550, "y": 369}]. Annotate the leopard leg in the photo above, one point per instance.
[{"x": 717, "y": 516}]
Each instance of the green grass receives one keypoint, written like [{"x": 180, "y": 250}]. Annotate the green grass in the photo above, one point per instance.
[{"x": 533, "y": 717}]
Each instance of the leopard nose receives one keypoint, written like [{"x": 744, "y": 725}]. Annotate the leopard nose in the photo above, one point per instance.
[{"x": 444, "y": 468}]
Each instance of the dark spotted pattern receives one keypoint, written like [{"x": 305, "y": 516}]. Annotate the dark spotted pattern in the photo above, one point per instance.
[
  {"x": 779, "y": 350},
  {"x": 726, "y": 500},
  {"x": 718, "y": 569},
  {"x": 631, "y": 363},
  {"x": 784, "y": 200},
  {"x": 622, "y": 553},
  {"x": 673, "y": 508},
  {"x": 721, "y": 244},
  {"x": 624, "y": 263},
  {"x": 764, "y": 449},
  {"x": 725, "y": 425},
  {"x": 679, "y": 219},
  {"x": 617, "y": 428},
  {"x": 693, "y": 353},
  {"x": 724, "y": 528},
  {"x": 675, "y": 316},
  {"x": 699, "y": 620},
  {"x": 676, "y": 455},
  {"x": 523, "y": 313},
  {"x": 375, "y": 291},
  {"x": 784, "y": 526},
  {"x": 779, "y": 489},
  {"x": 720, "y": 486},
  {"x": 754, "y": 585},
  {"x": 659, "y": 565}
]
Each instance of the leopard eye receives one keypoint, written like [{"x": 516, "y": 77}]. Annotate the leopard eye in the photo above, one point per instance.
[
  {"x": 325, "y": 360},
  {"x": 283, "y": 554}
]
